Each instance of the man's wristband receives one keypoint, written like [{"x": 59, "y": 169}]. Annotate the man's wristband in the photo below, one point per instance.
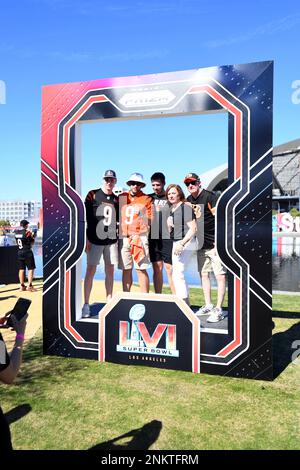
[{"x": 20, "y": 336}]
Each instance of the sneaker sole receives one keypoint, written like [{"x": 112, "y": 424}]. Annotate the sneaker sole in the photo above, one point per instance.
[
  {"x": 215, "y": 321},
  {"x": 85, "y": 315}
]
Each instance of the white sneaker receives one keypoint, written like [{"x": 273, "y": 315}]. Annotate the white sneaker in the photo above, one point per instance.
[
  {"x": 217, "y": 315},
  {"x": 205, "y": 310},
  {"x": 86, "y": 312}
]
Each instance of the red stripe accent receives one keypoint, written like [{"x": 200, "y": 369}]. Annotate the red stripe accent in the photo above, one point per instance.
[
  {"x": 102, "y": 339},
  {"x": 196, "y": 368},
  {"x": 68, "y": 325},
  {"x": 237, "y": 321},
  {"x": 238, "y": 152},
  {"x": 75, "y": 118},
  {"x": 237, "y": 173}
]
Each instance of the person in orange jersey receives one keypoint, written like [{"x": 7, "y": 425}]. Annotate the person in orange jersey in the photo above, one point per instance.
[{"x": 135, "y": 220}]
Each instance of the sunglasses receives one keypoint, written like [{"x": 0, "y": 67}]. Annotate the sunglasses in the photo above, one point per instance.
[
  {"x": 133, "y": 183},
  {"x": 109, "y": 180},
  {"x": 191, "y": 183}
]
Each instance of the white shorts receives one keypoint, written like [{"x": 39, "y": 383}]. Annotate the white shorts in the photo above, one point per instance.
[{"x": 109, "y": 252}]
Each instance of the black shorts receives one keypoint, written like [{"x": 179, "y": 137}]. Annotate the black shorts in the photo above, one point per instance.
[
  {"x": 26, "y": 260},
  {"x": 161, "y": 250}
]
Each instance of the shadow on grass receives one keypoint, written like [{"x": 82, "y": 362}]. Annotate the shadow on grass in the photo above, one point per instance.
[
  {"x": 8, "y": 297},
  {"x": 10, "y": 290},
  {"x": 38, "y": 286},
  {"x": 141, "y": 438},
  {"x": 37, "y": 367},
  {"x": 282, "y": 348},
  {"x": 17, "y": 413},
  {"x": 280, "y": 314}
]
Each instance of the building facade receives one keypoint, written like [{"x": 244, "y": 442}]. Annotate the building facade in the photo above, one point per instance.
[{"x": 14, "y": 211}]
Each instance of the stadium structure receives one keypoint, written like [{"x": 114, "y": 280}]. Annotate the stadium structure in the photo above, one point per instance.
[{"x": 286, "y": 177}]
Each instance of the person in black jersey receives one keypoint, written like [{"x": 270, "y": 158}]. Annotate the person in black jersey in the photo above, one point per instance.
[
  {"x": 101, "y": 215},
  {"x": 160, "y": 244},
  {"x": 182, "y": 226},
  {"x": 25, "y": 239},
  {"x": 204, "y": 202},
  {"x": 9, "y": 367}
]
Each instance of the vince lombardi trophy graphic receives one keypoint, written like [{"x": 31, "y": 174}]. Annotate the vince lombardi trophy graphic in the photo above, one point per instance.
[{"x": 136, "y": 313}]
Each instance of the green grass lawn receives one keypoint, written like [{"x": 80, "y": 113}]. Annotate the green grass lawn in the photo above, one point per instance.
[{"x": 81, "y": 404}]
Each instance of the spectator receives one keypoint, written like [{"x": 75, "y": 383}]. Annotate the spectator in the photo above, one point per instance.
[
  {"x": 160, "y": 244},
  {"x": 25, "y": 239},
  {"x": 101, "y": 211},
  {"x": 136, "y": 214},
  {"x": 4, "y": 241},
  {"x": 207, "y": 256},
  {"x": 183, "y": 228},
  {"x": 9, "y": 368}
]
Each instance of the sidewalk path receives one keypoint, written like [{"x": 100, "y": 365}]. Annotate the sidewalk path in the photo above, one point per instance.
[{"x": 10, "y": 293}]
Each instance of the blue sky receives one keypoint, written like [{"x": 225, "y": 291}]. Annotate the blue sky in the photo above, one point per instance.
[{"x": 56, "y": 41}]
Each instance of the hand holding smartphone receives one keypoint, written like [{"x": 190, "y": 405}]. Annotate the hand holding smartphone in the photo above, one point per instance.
[{"x": 19, "y": 311}]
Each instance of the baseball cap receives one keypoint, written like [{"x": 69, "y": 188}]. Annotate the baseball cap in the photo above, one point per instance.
[
  {"x": 136, "y": 178},
  {"x": 109, "y": 174},
  {"x": 24, "y": 222},
  {"x": 191, "y": 177}
]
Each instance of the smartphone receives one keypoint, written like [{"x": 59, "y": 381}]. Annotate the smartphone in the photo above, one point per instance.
[{"x": 19, "y": 310}]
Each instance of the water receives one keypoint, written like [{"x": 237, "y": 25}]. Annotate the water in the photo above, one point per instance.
[
  {"x": 191, "y": 273},
  {"x": 286, "y": 263},
  {"x": 286, "y": 266}
]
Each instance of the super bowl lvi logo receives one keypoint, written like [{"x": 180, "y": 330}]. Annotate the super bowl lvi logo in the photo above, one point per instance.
[{"x": 134, "y": 336}]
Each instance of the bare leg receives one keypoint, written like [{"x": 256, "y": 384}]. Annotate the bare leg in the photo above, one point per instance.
[
  {"x": 143, "y": 280},
  {"x": 206, "y": 287},
  {"x": 169, "y": 270},
  {"x": 109, "y": 280},
  {"x": 157, "y": 276},
  {"x": 127, "y": 279},
  {"x": 221, "y": 289},
  {"x": 22, "y": 276},
  {"x": 30, "y": 276},
  {"x": 88, "y": 282}
]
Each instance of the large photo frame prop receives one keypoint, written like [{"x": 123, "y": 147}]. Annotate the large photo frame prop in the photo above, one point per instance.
[{"x": 243, "y": 215}]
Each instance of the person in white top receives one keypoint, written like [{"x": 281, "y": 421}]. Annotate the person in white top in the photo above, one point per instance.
[{"x": 4, "y": 241}]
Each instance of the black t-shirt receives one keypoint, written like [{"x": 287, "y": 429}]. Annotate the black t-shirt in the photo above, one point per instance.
[
  {"x": 159, "y": 229},
  {"x": 159, "y": 201},
  {"x": 24, "y": 239},
  {"x": 4, "y": 357},
  {"x": 101, "y": 216},
  {"x": 181, "y": 216},
  {"x": 207, "y": 201}
]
